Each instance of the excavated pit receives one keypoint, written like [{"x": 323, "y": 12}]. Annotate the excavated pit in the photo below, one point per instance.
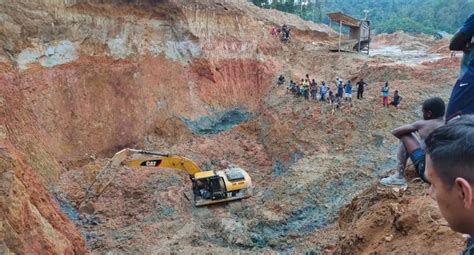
[{"x": 197, "y": 80}]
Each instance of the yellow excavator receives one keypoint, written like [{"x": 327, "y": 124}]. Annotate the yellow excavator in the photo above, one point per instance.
[{"x": 208, "y": 187}]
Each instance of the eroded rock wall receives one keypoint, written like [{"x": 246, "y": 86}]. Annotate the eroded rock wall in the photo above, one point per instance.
[{"x": 30, "y": 221}]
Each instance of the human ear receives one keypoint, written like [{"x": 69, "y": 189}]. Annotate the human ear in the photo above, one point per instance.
[
  {"x": 465, "y": 191},
  {"x": 429, "y": 113}
]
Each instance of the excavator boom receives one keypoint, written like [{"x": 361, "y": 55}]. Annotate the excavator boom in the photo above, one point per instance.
[
  {"x": 209, "y": 187},
  {"x": 165, "y": 161}
]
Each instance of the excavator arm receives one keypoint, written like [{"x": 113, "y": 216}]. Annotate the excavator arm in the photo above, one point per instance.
[
  {"x": 153, "y": 159},
  {"x": 134, "y": 158},
  {"x": 209, "y": 187}
]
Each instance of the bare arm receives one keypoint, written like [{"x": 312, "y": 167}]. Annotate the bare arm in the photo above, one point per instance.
[
  {"x": 460, "y": 41},
  {"x": 406, "y": 129}
]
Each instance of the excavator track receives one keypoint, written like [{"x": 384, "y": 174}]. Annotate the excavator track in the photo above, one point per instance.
[{"x": 202, "y": 202}]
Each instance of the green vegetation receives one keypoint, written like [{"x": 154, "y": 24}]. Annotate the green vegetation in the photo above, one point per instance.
[{"x": 417, "y": 16}]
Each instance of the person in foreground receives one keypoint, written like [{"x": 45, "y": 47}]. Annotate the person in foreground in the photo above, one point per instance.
[
  {"x": 412, "y": 146},
  {"x": 460, "y": 101},
  {"x": 450, "y": 170}
]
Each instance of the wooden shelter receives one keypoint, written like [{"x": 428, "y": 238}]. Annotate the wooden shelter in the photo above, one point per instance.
[{"x": 359, "y": 30}]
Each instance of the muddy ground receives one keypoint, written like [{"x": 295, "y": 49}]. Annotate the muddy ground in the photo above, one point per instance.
[{"x": 307, "y": 165}]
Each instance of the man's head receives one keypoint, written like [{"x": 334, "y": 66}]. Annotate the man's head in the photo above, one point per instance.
[
  {"x": 450, "y": 170},
  {"x": 433, "y": 108}
]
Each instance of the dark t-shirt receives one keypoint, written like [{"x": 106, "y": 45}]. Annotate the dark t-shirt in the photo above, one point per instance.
[
  {"x": 340, "y": 89},
  {"x": 461, "y": 101},
  {"x": 469, "y": 247},
  {"x": 468, "y": 56},
  {"x": 360, "y": 85},
  {"x": 397, "y": 99}
]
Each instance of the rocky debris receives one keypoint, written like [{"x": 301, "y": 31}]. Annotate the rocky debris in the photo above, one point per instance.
[
  {"x": 379, "y": 138},
  {"x": 382, "y": 221},
  {"x": 404, "y": 223}
]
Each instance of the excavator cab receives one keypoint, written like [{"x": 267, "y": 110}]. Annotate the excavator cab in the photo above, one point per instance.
[
  {"x": 211, "y": 187},
  {"x": 208, "y": 185}
]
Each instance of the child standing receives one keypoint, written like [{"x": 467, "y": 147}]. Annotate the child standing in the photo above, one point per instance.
[{"x": 385, "y": 91}]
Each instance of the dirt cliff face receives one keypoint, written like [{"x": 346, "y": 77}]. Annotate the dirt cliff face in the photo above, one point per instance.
[
  {"x": 118, "y": 66},
  {"x": 80, "y": 80},
  {"x": 30, "y": 222}
]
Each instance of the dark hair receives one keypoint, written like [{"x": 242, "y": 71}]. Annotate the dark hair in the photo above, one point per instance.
[
  {"x": 451, "y": 148},
  {"x": 436, "y": 106}
]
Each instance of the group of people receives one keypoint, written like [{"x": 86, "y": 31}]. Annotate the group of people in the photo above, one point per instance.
[
  {"x": 282, "y": 32},
  {"x": 396, "y": 100},
  {"x": 310, "y": 90},
  {"x": 441, "y": 146}
]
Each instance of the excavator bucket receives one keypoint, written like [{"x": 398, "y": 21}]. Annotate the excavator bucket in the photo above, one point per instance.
[{"x": 120, "y": 156}]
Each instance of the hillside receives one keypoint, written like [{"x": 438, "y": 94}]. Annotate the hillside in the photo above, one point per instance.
[{"x": 387, "y": 16}]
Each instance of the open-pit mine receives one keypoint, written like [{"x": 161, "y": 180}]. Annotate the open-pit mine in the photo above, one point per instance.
[{"x": 80, "y": 80}]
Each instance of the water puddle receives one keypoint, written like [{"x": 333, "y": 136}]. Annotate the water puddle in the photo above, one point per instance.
[
  {"x": 217, "y": 121},
  {"x": 405, "y": 57}
]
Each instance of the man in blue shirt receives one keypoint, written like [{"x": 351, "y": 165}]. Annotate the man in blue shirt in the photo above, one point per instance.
[
  {"x": 323, "y": 91},
  {"x": 460, "y": 102},
  {"x": 348, "y": 92},
  {"x": 462, "y": 41}
]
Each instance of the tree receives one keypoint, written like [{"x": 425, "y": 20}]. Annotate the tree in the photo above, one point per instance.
[{"x": 418, "y": 16}]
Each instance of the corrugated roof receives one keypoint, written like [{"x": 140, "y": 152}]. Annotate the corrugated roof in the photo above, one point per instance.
[{"x": 346, "y": 20}]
